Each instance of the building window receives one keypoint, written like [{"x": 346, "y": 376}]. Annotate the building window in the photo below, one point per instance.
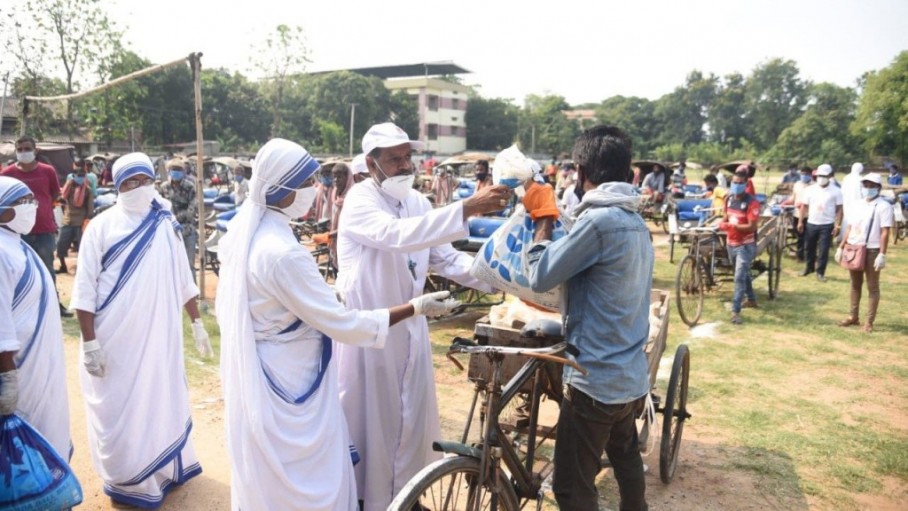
[
  {"x": 455, "y": 104},
  {"x": 453, "y": 119},
  {"x": 433, "y": 103},
  {"x": 433, "y": 131}
]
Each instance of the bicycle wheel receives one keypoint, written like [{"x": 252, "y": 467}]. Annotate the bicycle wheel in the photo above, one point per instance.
[
  {"x": 674, "y": 414},
  {"x": 689, "y": 284},
  {"x": 774, "y": 272},
  {"x": 450, "y": 484}
]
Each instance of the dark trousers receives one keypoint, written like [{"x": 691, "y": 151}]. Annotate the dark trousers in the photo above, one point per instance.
[
  {"x": 801, "y": 237},
  {"x": 586, "y": 427},
  {"x": 818, "y": 238},
  {"x": 44, "y": 245},
  {"x": 69, "y": 234}
]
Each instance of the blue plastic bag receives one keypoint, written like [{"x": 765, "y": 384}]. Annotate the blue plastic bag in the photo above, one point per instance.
[{"x": 33, "y": 476}]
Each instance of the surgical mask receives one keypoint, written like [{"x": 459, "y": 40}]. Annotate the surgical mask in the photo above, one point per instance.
[
  {"x": 238, "y": 179},
  {"x": 824, "y": 181},
  {"x": 805, "y": 178},
  {"x": 177, "y": 175},
  {"x": 738, "y": 188},
  {"x": 327, "y": 181},
  {"x": 481, "y": 176},
  {"x": 137, "y": 200},
  {"x": 79, "y": 180},
  {"x": 25, "y": 157},
  {"x": 301, "y": 203},
  {"x": 24, "y": 220},
  {"x": 398, "y": 186},
  {"x": 870, "y": 193},
  {"x": 514, "y": 184}
]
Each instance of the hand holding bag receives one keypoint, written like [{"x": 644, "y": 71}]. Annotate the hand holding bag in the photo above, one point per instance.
[{"x": 855, "y": 255}]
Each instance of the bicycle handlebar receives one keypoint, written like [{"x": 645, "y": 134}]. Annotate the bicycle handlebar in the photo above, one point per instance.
[{"x": 547, "y": 354}]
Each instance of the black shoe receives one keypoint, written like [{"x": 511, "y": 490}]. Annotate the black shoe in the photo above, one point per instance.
[
  {"x": 804, "y": 273},
  {"x": 64, "y": 313},
  {"x": 61, "y": 270},
  {"x": 821, "y": 278}
]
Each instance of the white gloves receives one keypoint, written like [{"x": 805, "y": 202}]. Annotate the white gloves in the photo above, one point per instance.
[
  {"x": 434, "y": 304},
  {"x": 838, "y": 255},
  {"x": 9, "y": 392},
  {"x": 880, "y": 262},
  {"x": 202, "y": 343},
  {"x": 93, "y": 358}
]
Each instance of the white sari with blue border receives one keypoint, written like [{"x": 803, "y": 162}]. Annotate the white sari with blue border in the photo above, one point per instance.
[
  {"x": 134, "y": 275},
  {"x": 30, "y": 325}
]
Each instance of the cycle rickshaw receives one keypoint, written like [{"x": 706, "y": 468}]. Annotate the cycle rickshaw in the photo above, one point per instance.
[
  {"x": 512, "y": 370},
  {"x": 651, "y": 209}
]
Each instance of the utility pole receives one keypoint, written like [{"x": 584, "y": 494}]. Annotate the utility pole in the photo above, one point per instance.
[
  {"x": 352, "y": 117},
  {"x": 3, "y": 99}
]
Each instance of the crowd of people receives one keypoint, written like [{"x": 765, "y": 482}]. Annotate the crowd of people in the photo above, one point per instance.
[{"x": 329, "y": 393}]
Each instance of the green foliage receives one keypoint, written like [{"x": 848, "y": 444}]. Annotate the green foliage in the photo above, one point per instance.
[
  {"x": 726, "y": 112},
  {"x": 404, "y": 113},
  {"x": 491, "y": 123},
  {"x": 332, "y": 137},
  {"x": 543, "y": 128},
  {"x": 283, "y": 54},
  {"x": 232, "y": 109},
  {"x": 882, "y": 115},
  {"x": 681, "y": 114},
  {"x": 635, "y": 116},
  {"x": 774, "y": 96}
]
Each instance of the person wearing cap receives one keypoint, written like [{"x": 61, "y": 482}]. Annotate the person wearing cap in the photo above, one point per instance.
[
  {"x": 821, "y": 218},
  {"x": 132, "y": 281},
  {"x": 742, "y": 216},
  {"x": 79, "y": 205},
  {"x": 359, "y": 168},
  {"x": 871, "y": 225},
  {"x": 390, "y": 237},
  {"x": 32, "y": 363},
  {"x": 180, "y": 191},
  {"x": 605, "y": 264},
  {"x": 279, "y": 320}
]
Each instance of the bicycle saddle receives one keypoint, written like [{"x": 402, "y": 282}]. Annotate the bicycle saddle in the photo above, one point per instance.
[{"x": 538, "y": 328}]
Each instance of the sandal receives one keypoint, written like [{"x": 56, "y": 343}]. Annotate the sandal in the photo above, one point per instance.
[
  {"x": 849, "y": 322},
  {"x": 868, "y": 328}
]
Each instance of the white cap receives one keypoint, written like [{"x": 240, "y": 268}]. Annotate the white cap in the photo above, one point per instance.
[
  {"x": 358, "y": 166},
  {"x": 857, "y": 168},
  {"x": 824, "y": 170},
  {"x": 387, "y": 134},
  {"x": 873, "y": 177}
]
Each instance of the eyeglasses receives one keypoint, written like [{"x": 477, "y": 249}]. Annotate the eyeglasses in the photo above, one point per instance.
[
  {"x": 135, "y": 182},
  {"x": 24, "y": 200}
]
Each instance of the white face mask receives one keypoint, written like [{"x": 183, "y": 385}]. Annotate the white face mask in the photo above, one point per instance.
[
  {"x": 24, "y": 220},
  {"x": 823, "y": 181},
  {"x": 301, "y": 203},
  {"x": 398, "y": 186},
  {"x": 25, "y": 157},
  {"x": 137, "y": 200}
]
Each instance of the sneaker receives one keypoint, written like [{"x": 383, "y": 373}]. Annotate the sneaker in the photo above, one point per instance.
[
  {"x": 821, "y": 278},
  {"x": 736, "y": 319},
  {"x": 750, "y": 304},
  {"x": 61, "y": 270}
]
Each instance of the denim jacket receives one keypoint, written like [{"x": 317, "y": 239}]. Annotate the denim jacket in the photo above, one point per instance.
[{"x": 606, "y": 262}]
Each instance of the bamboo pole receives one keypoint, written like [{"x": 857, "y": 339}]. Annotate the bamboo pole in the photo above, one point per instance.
[{"x": 196, "y": 61}]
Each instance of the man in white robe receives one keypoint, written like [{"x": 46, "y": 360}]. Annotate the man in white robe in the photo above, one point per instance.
[
  {"x": 32, "y": 370},
  {"x": 388, "y": 240},
  {"x": 132, "y": 282},
  {"x": 286, "y": 431}
]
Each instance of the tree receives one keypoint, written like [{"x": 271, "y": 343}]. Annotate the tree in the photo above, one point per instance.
[
  {"x": 681, "y": 114},
  {"x": 774, "y": 98},
  {"x": 404, "y": 112},
  {"x": 544, "y": 127},
  {"x": 636, "y": 116},
  {"x": 282, "y": 55},
  {"x": 726, "y": 113},
  {"x": 491, "y": 123},
  {"x": 882, "y": 114},
  {"x": 233, "y": 110},
  {"x": 821, "y": 133}
]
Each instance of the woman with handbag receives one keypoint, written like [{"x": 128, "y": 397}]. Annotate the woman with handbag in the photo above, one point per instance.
[{"x": 863, "y": 249}]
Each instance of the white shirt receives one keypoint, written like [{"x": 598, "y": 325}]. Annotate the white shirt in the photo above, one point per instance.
[
  {"x": 821, "y": 203},
  {"x": 799, "y": 190},
  {"x": 881, "y": 213},
  {"x": 851, "y": 194}
]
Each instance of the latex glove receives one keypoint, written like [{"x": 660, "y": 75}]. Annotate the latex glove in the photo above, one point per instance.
[
  {"x": 838, "y": 255},
  {"x": 539, "y": 201},
  {"x": 434, "y": 304},
  {"x": 93, "y": 358},
  {"x": 9, "y": 392},
  {"x": 880, "y": 262},
  {"x": 202, "y": 343}
]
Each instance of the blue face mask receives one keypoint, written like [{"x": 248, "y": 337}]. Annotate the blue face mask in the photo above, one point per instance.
[
  {"x": 805, "y": 178},
  {"x": 870, "y": 193},
  {"x": 327, "y": 181},
  {"x": 177, "y": 175},
  {"x": 238, "y": 179},
  {"x": 79, "y": 180},
  {"x": 738, "y": 188}
]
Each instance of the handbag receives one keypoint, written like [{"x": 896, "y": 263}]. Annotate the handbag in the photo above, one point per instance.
[{"x": 854, "y": 255}]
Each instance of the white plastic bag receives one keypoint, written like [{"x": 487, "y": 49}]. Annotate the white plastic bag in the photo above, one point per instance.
[{"x": 502, "y": 260}]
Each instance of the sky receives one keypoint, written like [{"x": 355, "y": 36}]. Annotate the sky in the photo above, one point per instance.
[{"x": 585, "y": 51}]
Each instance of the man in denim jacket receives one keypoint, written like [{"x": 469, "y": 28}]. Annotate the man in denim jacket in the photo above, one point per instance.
[{"x": 606, "y": 263}]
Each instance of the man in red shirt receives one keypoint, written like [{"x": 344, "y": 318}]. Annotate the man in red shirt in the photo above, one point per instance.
[
  {"x": 742, "y": 214},
  {"x": 42, "y": 180}
]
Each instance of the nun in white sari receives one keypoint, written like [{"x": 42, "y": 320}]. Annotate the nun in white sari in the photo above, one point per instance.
[
  {"x": 31, "y": 336},
  {"x": 131, "y": 284},
  {"x": 286, "y": 433}
]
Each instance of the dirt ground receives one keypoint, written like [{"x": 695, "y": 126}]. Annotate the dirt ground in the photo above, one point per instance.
[{"x": 703, "y": 480}]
